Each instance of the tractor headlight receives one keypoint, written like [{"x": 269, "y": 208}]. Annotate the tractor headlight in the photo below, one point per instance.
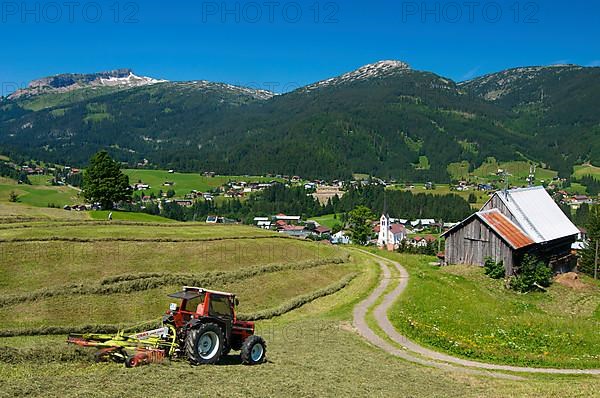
[{"x": 172, "y": 307}]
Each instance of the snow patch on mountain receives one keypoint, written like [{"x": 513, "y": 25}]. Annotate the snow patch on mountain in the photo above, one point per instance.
[
  {"x": 377, "y": 70},
  {"x": 120, "y": 78},
  {"x": 254, "y": 93}
]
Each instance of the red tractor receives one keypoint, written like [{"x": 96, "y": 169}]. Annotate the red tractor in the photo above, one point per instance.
[
  {"x": 207, "y": 328},
  {"x": 202, "y": 328}
]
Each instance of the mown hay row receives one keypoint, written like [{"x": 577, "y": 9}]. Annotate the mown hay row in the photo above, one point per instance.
[
  {"x": 286, "y": 307},
  {"x": 155, "y": 240},
  {"x": 43, "y": 222},
  {"x": 48, "y": 354},
  {"x": 298, "y": 301},
  {"x": 130, "y": 283}
]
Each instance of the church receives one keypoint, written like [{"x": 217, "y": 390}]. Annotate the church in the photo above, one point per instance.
[{"x": 390, "y": 235}]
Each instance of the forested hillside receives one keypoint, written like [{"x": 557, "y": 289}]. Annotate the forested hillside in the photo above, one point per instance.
[{"x": 384, "y": 119}]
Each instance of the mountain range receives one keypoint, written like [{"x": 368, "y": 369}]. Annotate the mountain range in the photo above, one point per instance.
[{"x": 383, "y": 119}]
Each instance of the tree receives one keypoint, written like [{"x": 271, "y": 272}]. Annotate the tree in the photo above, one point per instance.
[
  {"x": 588, "y": 254},
  {"x": 493, "y": 269},
  {"x": 337, "y": 227},
  {"x": 472, "y": 198},
  {"x": 104, "y": 182},
  {"x": 360, "y": 224},
  {"x": 532, "y": 274}
]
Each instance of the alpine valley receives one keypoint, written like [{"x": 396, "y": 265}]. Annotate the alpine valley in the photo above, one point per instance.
[{"x": 384, "y": 119}]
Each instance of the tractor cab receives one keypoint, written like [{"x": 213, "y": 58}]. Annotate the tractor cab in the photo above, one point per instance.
[{"x": 197, "y": 303}]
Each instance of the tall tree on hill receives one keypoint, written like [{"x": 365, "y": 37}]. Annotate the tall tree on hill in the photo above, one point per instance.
[
  {"x": 360, "y": 224},
  {"x": 588, "y": 254},
  {"x": 104, "y": 182}
]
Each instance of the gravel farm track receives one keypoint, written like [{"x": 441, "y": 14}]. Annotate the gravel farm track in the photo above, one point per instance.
[{"x": 416, "y": 353}]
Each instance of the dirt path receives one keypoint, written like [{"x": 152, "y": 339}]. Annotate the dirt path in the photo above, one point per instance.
[{"x": 424, "y": 355}]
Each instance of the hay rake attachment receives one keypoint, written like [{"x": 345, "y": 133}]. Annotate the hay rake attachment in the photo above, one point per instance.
[{"x": 133, "y": 350}]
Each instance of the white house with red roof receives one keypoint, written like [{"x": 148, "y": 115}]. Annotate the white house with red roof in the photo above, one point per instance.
[{"x": 389, "y": 235}]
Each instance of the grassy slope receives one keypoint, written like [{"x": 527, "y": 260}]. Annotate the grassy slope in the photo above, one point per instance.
[
  {"x": 312, "y": 352},
  {"x": 587, "y": 170},
  {"x": 459, "y": 310},
  {"x": 518, "y": 170},
  {"x": 39, "y": 195},
  {"x": 115, "y": 230},
  {"x": 126, "y": 216},
  {"x": 444, "y": 189},
  {"x": 184, "y": 182},
  {"x": 17, "y": 211},
  {"x": 327, "y": 220}
]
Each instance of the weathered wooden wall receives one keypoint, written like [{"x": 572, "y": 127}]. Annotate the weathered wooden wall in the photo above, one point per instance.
[{"x": 472, "y": 243}]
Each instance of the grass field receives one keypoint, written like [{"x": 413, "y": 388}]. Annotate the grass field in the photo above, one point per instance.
[
  {"x": 18, "y": 211},
  {"x": 458, "y": 309},
  {"x": 39, "y": 195},
  {"x": 312, "y": 350},
  {"x": 444, "y": 189},
  {"x": 587, "y": 170},
  {"x": 518, "y": 172},
  {"x": 327, "y": 220},
  {"x": 184, "y": 182},
  {"x": 127, "y": 216}
]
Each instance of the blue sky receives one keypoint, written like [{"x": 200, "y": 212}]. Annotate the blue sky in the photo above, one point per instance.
[{"x": 283, "y": 44}]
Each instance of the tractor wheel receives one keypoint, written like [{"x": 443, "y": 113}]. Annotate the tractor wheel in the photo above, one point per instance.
[
  {"x": 254, "y": 350},
  {"x": 133, "y": 361},
  {"x": 204, "y": 345}
]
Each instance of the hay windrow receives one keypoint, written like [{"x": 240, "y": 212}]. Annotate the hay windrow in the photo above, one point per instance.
[
  {"x": 130, "y": 283},
  {"x": 123, "y": 239},
  {"x": 284, "y": 308}
]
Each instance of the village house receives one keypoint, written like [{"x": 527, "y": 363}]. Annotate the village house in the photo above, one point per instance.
[
  {"x": 286, "y": 219},
  {"x": 321, "y": 231},
  {"x": 340, "y": 238},
  {"x": 420, "y": 241},
  {"x": 511, "y": 224},
  {"x": 262, "y": 222}
]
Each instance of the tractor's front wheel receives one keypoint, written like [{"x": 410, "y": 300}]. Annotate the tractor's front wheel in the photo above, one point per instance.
[
  {"x": 254, "y": 350},
  {"x": 204, "y": 345}
]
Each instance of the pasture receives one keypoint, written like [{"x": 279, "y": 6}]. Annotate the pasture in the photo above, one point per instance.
[
  {"x": 459, "y": 310},
  {"x": 183, "y": 183},
  {"x": 57, "y": 276}
]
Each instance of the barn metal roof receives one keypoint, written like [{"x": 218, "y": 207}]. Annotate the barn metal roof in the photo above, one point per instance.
[
  {"x": 506, "y": 229},
  {"x": 537, "y": 214}
]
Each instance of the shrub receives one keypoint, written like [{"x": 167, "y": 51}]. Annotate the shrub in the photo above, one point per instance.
[
  {"x": 13, "y": 197},
  {"x": 493, "y": 269},
  {"x": 533, "y": 273}
]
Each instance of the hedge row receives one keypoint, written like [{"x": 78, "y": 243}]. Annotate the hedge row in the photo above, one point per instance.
[
  {"x": 130, "y": 283},
  {"x": 260, "y": 315}
]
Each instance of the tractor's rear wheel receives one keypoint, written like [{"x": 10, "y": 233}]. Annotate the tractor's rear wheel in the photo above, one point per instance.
[
  {"x": 204, "y": 344},
  {"x": 254, "y": 350}
]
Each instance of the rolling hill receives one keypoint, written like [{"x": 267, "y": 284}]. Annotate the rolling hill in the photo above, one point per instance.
[{"x": 384, "y": 119}]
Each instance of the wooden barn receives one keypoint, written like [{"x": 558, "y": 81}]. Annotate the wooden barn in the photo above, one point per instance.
[{"x": 511, "y": 224}]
